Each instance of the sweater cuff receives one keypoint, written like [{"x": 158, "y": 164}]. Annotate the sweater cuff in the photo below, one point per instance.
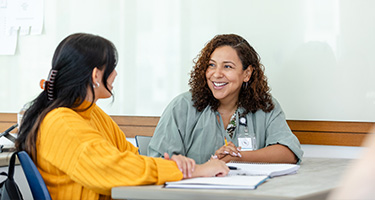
[{"x": 167, "y": 171}]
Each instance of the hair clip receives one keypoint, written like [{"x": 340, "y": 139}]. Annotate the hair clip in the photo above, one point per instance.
[
  {"x": 42, "y": 84},
  {"x": 47, "y": 85}
]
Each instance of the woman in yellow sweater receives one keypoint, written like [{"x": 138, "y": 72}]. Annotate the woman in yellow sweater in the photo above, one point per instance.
[{"x": 79, "y": 150}]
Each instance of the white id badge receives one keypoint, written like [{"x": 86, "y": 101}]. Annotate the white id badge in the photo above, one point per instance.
[{"x": 246, "y": 144}]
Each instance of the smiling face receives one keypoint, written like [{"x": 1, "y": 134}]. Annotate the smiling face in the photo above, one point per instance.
[{"x": 225, "y": 74}]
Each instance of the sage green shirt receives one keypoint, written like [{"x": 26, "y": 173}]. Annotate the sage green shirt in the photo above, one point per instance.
[{"x": 197, "y": 135}]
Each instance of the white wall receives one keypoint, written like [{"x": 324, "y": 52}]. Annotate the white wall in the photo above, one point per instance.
[{"x": 318, "y": 54}]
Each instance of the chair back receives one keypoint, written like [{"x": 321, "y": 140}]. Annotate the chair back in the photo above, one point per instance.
[
  {"x": 142, "y": 143},
  {"x": 34, "y": 179}
]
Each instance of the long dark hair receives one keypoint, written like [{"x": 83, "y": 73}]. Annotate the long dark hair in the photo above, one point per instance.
[
  {"x": 73, "y": 62},
  {"x": 254, "y": 95}
]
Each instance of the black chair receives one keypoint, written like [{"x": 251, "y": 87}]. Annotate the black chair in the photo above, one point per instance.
[{"x": 36, "y": 183}]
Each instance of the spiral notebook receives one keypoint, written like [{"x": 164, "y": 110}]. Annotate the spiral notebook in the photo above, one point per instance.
[{"x": 262, "y": 169}]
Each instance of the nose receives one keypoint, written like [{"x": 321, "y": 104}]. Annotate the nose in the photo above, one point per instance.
[{"x": 218, "y": 72}]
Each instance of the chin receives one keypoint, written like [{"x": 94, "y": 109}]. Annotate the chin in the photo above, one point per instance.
[
  {"x": 218, "y": 97},
  {"x": 106, "y": 96}
]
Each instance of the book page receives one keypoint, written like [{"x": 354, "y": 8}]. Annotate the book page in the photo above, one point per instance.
[{"x": 272, "y": 170}]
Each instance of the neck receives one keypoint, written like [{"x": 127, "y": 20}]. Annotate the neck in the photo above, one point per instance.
[
  {"x": 227, "y": 108},
  {"x": 89, "y": 96}
]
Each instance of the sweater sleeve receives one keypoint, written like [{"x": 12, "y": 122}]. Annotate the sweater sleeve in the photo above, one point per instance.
[{"x": 93, "y": 159}]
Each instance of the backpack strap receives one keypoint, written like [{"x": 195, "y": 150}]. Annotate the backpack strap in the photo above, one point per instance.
[
  {"x": 11, "y": 166},
  {"x": 9, "y": 188},
  {"x": 2, "y": 183}
]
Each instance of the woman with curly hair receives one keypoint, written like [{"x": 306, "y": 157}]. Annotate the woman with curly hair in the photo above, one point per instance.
[{"x": 229, "y": 98}]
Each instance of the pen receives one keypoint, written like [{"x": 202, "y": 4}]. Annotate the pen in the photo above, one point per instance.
[{"x": 226, "y": 142}]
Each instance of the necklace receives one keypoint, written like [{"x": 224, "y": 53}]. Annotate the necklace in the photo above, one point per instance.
[{"x": 232, "y": 124}]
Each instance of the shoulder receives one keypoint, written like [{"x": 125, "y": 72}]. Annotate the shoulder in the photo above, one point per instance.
[
  {"x": 277, "y": 106},
  {"x": 62, "y": 113},
  {"x": 70, "y": 116},
  {"x": 98, "y": 113},
  {"x": 183, "y": 98},
  {"x": 62, "y": 122},
  {"x": 71, "y": 123},
  {"x": 276, "y": 113},
  {"x": 63, "y": 118},
  {"x": 181, "y": 108}
]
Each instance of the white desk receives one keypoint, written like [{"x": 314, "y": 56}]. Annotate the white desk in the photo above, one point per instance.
[{"x": 314, "y": 180}]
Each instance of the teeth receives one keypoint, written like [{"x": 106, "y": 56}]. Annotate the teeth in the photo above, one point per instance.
[{"x": 219, "y": 84}]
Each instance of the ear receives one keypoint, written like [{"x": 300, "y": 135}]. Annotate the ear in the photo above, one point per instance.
[
  {"x": 248, "y": 73},
  {"x": 96, "y": 74}
]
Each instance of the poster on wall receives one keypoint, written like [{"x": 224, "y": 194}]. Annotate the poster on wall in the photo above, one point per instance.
[{"x": 19, "y": 17}]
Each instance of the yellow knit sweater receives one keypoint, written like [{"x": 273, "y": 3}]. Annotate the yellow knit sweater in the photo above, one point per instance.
[{"x": 82, "y": 155}]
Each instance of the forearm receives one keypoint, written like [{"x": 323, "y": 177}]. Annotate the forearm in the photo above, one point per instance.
[{"x": 272, "y": 154}]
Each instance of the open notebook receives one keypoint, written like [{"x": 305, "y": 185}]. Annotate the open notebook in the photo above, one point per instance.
[
  {"x": 262, "y": 169},
  {"x": 226, "y": 182},
  {"x": 241, "y": 176}
]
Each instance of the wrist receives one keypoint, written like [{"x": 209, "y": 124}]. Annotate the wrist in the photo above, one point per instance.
[
  {"x": 236, "y": 159},
  {"x": 197, "y": 171}
]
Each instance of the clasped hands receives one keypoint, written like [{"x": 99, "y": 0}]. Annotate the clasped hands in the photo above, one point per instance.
[{"x": 227, "y": 152}]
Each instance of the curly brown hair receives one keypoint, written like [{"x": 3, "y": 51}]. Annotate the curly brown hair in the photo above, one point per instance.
[{"x": 254, "y": 94}]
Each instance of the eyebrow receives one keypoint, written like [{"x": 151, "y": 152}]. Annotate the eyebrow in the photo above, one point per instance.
[
  {"x": 224, "y": 62},
  {"x": 212, "y": 60},
  {"x": 230, "y": 62}
]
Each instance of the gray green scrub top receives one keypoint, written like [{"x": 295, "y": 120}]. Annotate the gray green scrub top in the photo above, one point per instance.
[{"x": 197, "y": 135}]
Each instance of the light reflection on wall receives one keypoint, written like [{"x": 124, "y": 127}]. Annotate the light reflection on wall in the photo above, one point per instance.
[{"x": 322, "y": 22}]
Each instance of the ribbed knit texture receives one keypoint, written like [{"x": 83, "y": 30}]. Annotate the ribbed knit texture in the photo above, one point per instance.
[{"x": 82, "y": 155}]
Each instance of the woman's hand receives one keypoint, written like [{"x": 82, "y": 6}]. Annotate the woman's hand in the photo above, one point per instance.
[
  {"x": 213, "y": 167},
  {"x": 186, "y": 165},
  {"x": 226, "y": 152}
]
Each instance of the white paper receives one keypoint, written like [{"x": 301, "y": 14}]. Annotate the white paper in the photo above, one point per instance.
[
  {"x": 26, "y": 15},
  {"x": 269, "y": 169},
  {"x": 19, "y": 16},
  {"x": 8, "y": 36},
  {"x": 3, "y": 3},
  {"x": 24, "y": 30}
]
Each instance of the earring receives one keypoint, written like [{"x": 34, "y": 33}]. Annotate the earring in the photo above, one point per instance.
[
  {"x": 244, "y": 85},
  {"x": 96, "y": 85}
]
